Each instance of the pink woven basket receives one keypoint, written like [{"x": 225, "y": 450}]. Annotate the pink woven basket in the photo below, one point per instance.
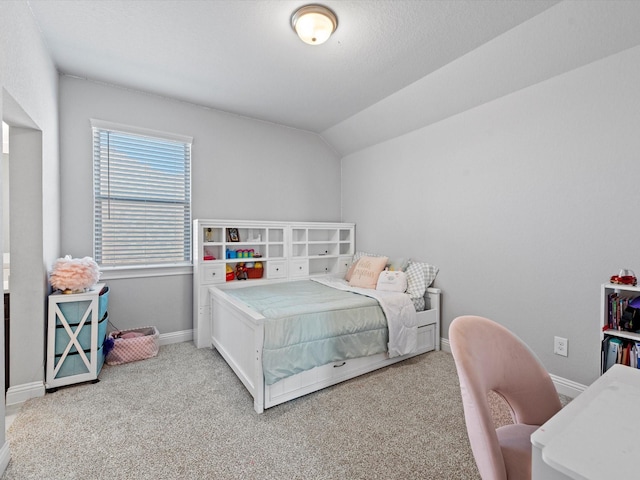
[{"x": 127, "y": 350}]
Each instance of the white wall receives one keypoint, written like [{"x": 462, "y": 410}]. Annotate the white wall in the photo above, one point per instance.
[
  {"x": 526, "y": 204},
  {"x": 241, "y": 169},
  {"x": 6, "y": 243},
  {"x": 28, "y": 84}
]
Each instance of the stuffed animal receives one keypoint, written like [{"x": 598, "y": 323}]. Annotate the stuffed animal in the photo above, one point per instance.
[{"x": 241, "y": 271}]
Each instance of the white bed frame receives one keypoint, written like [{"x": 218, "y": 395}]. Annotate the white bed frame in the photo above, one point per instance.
[{"x": 237, "y": 332}]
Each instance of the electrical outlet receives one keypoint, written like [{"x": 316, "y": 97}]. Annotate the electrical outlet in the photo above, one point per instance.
[{"x": 561, "y": 346}]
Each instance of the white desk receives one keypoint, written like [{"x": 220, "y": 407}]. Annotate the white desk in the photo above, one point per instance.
[{"x": 595, "y": 436}]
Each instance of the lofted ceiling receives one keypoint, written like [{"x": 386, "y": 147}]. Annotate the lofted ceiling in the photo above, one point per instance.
[{"x": 242, "y": 56}]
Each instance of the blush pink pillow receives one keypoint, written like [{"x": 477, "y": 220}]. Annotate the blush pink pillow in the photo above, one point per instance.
[
  {"x": 366, "y": 272},
  {"x": 352, "y": 267}
]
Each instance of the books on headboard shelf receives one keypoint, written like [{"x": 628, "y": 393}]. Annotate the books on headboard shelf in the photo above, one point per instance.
[{"x": 620, "y": 326}]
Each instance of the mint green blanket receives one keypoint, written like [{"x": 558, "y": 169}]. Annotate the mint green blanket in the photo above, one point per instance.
[{"x": 309, "y": 324}]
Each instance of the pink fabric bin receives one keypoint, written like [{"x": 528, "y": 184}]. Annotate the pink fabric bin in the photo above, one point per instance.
[{"x": 126, "y": 350}]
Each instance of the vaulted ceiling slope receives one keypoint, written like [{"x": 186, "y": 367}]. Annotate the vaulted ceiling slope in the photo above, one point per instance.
[{"x": 391, "y": 66}]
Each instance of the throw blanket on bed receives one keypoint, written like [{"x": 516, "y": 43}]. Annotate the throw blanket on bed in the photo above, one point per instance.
[{"x": 397, "y": 307}]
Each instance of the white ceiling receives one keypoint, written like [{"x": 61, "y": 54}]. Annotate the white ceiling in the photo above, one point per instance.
[{"x": 242, "y": 56}]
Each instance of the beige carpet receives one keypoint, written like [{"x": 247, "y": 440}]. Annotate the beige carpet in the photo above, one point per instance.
[{"x": 184, "y": 415}]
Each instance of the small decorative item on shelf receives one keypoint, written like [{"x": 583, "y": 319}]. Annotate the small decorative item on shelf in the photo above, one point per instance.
[
  {"x": 241, "y": 271},
  {"x": 230, "y": 275},
  {"x": 233, "y": 235},
  {"x": 74, "y": 275},
  {"x": 208, "y": 235},
  {"x": 625, "y": 277}
]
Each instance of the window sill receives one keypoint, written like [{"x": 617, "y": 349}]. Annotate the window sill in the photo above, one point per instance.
[{"x": 114, "y": 273}]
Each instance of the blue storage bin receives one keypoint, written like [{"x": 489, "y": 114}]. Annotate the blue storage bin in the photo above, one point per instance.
[
  {"x": 74, "y": 365},
  {"x": 102, "y": 329},
  {"x": 73, "y": 311},
  {"x": 103, "y": 299},
  {"x": 84, "y": 337},
  {"x": 66, "y": 314}
]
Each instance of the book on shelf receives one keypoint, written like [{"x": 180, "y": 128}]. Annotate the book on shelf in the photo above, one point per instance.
[
  {"x": 624, "y": 357},
  {"x": 614, "y": 350},
  {"x": 619, "y": 315},
  {"x": 635, "y": 356}
]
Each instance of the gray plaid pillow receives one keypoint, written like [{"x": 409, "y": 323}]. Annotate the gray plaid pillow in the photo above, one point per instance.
[
  {"x": 358, "y": 255},
  {"x": 419, "y": 304},
  {"x": 419, "y": 277},
  {"x": 398, "y": 264},
  {"x": 416, "y": 283}
]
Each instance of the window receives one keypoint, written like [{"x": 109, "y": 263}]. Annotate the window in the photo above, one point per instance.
[{"x": 142, "y": 197}]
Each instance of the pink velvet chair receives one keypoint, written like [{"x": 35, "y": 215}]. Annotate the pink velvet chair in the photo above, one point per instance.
[{"x": 488, "y": 358}]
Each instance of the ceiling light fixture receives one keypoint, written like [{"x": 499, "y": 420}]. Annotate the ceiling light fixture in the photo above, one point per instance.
[{"x": 314, "y": 24}]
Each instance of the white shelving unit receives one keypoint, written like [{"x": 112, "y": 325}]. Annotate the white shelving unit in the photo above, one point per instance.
[
  {"x": 321, "y": 249},
  {"x": 288, "y": 250},
  {"x": 625, "y": 291}
]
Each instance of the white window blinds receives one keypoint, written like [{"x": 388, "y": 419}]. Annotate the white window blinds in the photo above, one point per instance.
[{"x": 142, "y": 198}]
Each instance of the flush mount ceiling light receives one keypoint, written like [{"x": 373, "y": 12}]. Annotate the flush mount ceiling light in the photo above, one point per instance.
[{"x": 314, "y": 24}]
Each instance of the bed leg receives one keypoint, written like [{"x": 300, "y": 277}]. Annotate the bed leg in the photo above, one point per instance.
[{"x": 257, "y": 407}]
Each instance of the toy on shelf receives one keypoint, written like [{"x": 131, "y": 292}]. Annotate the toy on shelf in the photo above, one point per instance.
[
  {"x": 230, "y": 274},
  {"x": 241, "y": 271},
  {"x": 625, "y": 277},
  {"x": 255, "y": 270}
]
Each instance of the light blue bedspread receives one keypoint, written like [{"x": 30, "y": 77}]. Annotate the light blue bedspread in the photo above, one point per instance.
[{"x": 309, "y": 324}]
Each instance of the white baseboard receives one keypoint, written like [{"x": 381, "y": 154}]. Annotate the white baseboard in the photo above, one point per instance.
[
  {"x": 563, "y": 386},
  {"x": 567, "y": 387},
  {"x": 5, "y": 456},
  {"x": 21, "y": 393},
  {"x": 176, "y": 337},
  {"x": 18, "y": 394}
]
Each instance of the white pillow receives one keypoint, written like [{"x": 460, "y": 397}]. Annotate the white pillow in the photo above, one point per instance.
[{"x": 392, "y": 281}]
